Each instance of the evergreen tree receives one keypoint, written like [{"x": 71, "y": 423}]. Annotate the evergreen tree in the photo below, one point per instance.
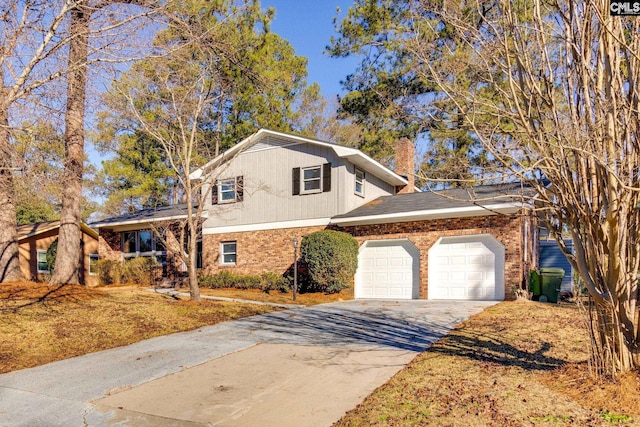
[
  {"x": 256, "y": 81},
  {"x": 390, "y": 98}
]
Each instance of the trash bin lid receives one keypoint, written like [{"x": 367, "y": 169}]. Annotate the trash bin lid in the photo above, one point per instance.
[{"x": 552, "y": 271}]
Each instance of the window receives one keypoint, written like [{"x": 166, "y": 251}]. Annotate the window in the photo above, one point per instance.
[
  {"x": 359, "y": 188},
  {"x": 228, "y": 190},
  {"x": 93, "y": 259},
  {"x": 312, "y": 179},
  {"x": 42, "y": 261},
  {"x": 228, "y": 253},
  {"x": 129, "y": 242},
  {"x": 141, "y": 243},
  {"x": 145, "y": 241}
]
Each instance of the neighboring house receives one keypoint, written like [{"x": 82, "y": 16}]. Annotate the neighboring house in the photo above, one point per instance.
[
  {"x": 551, "y": 255},
  {"x": 274, "y": 187},
  {"x": 35, "y": 239}
]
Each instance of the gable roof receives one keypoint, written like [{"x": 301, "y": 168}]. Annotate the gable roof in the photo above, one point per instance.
[
  {"x": 453, "y": 203},
  {"x": 34, "y": 229},
  {"x": 355, "y": 156},
  {"x": 161, "y": 213}
]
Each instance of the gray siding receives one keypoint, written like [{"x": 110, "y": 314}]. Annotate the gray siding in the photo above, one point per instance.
[
  {"x": 552, "y": 256},
  {"x": 267, "y": 172}
]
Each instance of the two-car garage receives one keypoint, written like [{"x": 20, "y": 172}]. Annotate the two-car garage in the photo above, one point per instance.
[{"x": 469, "y": 267}]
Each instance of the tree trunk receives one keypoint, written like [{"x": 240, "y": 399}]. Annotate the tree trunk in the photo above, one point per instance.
[
  {"x": 67, "y": 265},
  {"x": 194, "y": 289},
  {"x": 9, "y": 261}
]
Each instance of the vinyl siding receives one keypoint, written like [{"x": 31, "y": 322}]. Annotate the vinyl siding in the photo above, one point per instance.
[{"x": 267, "y": 174}]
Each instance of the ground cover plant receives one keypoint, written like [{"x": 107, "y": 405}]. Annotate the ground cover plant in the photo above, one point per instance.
[
  {"x": 515, "y": 364},
  {"x": 41, "y": 324}
]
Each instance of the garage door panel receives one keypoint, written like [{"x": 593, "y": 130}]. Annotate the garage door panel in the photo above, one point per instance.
[
  {"x": 466, "y": 267},
  {"x": 386, "y": 269}
]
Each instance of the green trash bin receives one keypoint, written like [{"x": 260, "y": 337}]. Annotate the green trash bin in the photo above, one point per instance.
[
  {"x": 550, "y": 282},
  {"x": 534, "y": 283}
]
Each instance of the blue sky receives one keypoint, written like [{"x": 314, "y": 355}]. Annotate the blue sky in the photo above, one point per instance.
[{"x": 308, "y": 26}]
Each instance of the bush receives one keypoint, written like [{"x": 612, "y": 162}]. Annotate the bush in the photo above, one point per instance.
[
  {"x": 226, "y": 279},
  {"x": 331, "y": 258},
  {"x": 136, "y": 270},
  {"x": 109, "y": 271},
  {"x": 270, "y": 281}
]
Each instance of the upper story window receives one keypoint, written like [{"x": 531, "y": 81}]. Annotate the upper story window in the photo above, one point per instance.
[
  {"x": 359, "y": 186},
  {"x": 228, "y": 190},
  {"x": 311, "y": 179}
]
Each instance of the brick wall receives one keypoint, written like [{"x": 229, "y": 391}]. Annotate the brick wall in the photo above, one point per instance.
[
  {"x": 424, "y": 234},
  {"x": 272, "y": 250},
  {"x": 109, "y": 245},
  {"x": 257, "y": 251}
]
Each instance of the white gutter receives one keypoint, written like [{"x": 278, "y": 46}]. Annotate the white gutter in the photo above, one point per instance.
[
  {"x": 142, "y": 221},
  {"x": 469, "y": 211}
]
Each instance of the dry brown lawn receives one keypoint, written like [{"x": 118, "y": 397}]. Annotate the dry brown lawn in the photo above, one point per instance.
[
  {"x": 41, "y": 324},
  {"x": 515, "y": 364},
  {"x": 279, "y": 297}
]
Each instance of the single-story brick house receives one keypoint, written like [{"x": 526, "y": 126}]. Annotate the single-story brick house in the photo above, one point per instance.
[
  {"x": 35, "y": 239},
  {"x": 273, "y": 187}
]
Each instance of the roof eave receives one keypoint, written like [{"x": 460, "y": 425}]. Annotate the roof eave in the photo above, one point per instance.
[
  {"x": 425, "y": 215},
  {"x": 355, "y": 156}
]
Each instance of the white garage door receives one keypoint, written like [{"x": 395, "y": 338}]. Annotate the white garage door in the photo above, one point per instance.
[
  {"x": 387, "y": 269},
  {"x": 467, "y": 268}
]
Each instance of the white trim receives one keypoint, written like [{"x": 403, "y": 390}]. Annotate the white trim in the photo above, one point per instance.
[
  {"x": 503, "y": 208},
  {"x": 222, "y": 252},
  {"x": 303, "y": 180},
  {"x": 97, "y": 257},
  {"x": 355, "y": 156},
  {"x": 38, "y": 252},
  {"x": 142, "y": 222},
  {"x": 362, "y": 182},
  {"x": 221, "y": 199},
  {"x": 267, "y": 226}
]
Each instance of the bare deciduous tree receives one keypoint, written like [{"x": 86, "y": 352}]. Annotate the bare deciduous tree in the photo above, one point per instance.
[{"x": 555, "y": 97}]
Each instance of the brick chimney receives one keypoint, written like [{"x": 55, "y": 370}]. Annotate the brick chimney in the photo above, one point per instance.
[{"x": 406, "y": 164}]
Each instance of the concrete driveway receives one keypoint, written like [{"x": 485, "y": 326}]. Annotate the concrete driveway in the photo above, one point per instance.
[{"x": 305, "y": 366}]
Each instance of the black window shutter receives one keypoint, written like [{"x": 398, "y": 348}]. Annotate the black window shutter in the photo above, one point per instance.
[
  {"x": 326, "y": 177},
  {"x": 296, "y": 181},
  {"x": 214, "y": 193},
  {"x": 239, "y": 188}
]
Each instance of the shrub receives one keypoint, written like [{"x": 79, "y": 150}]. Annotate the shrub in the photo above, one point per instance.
[
  {"x": 331, "y": 258},
  {"x": 226, "y": 279},
  {"x": 138, "y": 271},
  {"x": 271, "y": 281},
  {"x": 109, "y": 271}
]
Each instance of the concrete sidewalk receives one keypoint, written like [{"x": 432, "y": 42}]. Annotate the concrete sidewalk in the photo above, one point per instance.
[{"x": 306, "y": 366}]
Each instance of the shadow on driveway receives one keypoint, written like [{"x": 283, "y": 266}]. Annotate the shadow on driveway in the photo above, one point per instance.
[{"x": 403, "y": 325}]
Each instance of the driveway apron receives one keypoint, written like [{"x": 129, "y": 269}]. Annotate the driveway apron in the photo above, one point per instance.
[{"x": 305, "y": 366}]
